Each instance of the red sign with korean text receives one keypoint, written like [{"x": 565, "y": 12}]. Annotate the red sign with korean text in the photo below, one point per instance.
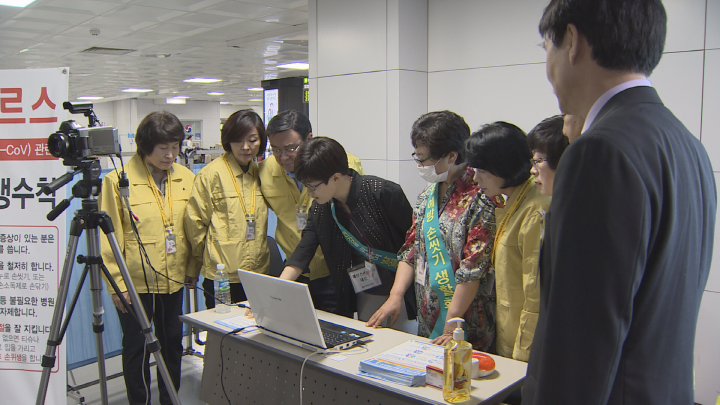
[{"x": 25, "y": 149}]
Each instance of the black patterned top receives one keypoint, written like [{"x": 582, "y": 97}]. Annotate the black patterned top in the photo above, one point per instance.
[{"x": 381, "y": 213}]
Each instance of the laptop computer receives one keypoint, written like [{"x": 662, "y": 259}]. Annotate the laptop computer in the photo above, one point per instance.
[{"x": 284, "y": 310}]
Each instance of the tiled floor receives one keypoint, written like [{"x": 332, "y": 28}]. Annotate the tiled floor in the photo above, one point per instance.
[{"x": 192, "y": 367}]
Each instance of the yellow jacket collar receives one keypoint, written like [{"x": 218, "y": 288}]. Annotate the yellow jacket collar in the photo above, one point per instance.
[
  {"x": 277, "y": 170},
  {"x": 137, "y": 170},
  {"x": 237, "y": 171}
]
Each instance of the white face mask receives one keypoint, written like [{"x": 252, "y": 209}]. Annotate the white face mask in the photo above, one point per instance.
[{"x": 428, "y": 174}]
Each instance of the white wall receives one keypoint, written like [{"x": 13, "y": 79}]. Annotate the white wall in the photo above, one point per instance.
[
  {"x": 484, "y": 63},
  {"x": 368, "y": 81}
]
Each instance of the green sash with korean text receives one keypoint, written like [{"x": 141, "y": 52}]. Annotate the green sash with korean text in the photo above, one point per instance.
[
  {"x": 442, "y": 276},
  {"x": 386, "y": 259}
]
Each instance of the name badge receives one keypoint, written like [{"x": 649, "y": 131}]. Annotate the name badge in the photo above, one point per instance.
[
  {"x": 420, "y": 269},
  {"x": 250, "y": 230},
  {"x": 364, "y": 277},
  {"x": 170, "y": 244},
  {"x": 301, "y": 220}
]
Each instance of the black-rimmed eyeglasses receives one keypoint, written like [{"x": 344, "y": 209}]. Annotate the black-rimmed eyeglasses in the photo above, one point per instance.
[
  {"x": 537, "y": 161},
  {"x": 311, "y": 187}
]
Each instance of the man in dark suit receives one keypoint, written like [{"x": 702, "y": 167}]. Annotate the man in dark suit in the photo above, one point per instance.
[{"x": 629, "y": 238}]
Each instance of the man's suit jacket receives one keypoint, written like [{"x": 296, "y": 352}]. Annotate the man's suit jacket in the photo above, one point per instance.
[{"x": 627, "y": 253}]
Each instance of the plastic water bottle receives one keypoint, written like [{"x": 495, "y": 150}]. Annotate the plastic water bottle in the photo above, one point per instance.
[{"x": 222, "y": 290}]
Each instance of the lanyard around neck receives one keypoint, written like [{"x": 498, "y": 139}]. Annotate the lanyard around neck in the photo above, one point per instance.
[
  {"x": 386, "y": 259},
  {"x": 304, "y": 196},
  {"x": 249, "y": 215},
  {"x": 167, "y": 218}
]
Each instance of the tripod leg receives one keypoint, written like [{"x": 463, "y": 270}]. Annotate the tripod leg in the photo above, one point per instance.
[
  {"x": 54, "y": 337},
  {"x": 93, "y": 241},
  {"x": 150, "y": 341}
]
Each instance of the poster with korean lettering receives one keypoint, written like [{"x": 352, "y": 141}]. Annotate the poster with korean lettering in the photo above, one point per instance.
[{"x": 32, "y": 249}]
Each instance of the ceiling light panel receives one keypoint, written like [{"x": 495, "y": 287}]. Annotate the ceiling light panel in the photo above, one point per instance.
[
  {"x": 155, "y": 27},
  {"x": 239, "y": 9}
]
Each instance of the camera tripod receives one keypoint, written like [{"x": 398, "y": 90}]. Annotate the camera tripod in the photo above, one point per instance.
[{"x": 90, "y": 218}]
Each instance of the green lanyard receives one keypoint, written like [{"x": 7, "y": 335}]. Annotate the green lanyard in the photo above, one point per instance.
[
  {"x": 442, "y": 276},
  {"x": 385, "y": 259}
]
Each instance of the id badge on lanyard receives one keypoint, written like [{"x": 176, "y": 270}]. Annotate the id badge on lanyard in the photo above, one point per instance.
[
  {"x": 301, "y": 217},
  {"x": 364, "y": 276},
  {"x": 420, "y": 269},
  {"x": 170, "y": 242},
  {"x": 250, "y": 229}
]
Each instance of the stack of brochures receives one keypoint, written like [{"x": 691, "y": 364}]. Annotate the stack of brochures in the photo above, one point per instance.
[{"x": 404, "y": 364}]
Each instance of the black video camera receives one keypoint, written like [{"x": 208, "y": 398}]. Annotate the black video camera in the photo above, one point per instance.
[{"x": 74, "y": 143}]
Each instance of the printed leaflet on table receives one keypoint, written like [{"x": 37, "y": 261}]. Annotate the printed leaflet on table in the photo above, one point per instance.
[{"x": 404, "y": 364}]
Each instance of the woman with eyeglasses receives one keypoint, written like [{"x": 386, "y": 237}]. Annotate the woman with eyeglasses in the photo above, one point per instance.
[
  {"x": 226, "y": 217},
  {"x": 502, "y": 159},
  {"x": 359, "y": 222},
  {"x": 547, "y": 143},
  {"x": 290, "y": 201},
  {"x": 446, "y": 254}
]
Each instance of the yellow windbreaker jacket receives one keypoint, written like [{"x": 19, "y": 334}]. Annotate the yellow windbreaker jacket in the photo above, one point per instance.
[
  {"x": 150, "y": 227},
  {"x": 215, "y": 219},
  {"x": 282, "y": 195},
  {"x": 516, "y": 265}
]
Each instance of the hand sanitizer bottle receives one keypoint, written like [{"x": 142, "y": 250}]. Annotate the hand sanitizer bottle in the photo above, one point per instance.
[{"x": 458, "y": 360}]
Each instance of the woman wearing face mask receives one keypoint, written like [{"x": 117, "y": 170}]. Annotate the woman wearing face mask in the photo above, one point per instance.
[
  {"x": 547, "y": 143},
  {"x": 447, "y": 250},
  {"x": 226, "y": 217},
  {"x": 501, "y": 158}
]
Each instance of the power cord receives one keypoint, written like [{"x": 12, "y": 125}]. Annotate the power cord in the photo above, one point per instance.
[
  {"x": 222, "y": 367},
  {"x": 302, "y": 368}
]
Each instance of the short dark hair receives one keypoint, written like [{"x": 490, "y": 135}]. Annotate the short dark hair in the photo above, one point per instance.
[
  {"x": 626, "y": 35},
  {"x": 156, "y": 128},
  {"x": 501, "y": 149},
  {"x": 290, "y": 119},
  {"x": 547, "y": 137},
  {"x": 319, "y": 158},
  {"x": 238, "y": 125},
  {"x": 441, "y": 132}
]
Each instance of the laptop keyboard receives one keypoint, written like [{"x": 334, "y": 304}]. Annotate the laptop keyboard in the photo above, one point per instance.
[{"x": 334, "y": 338}]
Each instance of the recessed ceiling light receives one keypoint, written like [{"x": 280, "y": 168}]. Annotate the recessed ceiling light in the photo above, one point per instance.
[
  {"x": 295, "y": 65},
  {"x": 255, "y": 99},
  {"x": 24, "y": 50},
  {"x": 15, "y": 3},
  {"x": 131, "y": 90},
  {"x": 90, "y": 98},
  {"x": 255, "y": 89},
  {"x": 181, "y": 96},
  {"x": 224, "y": 102},
  {"x": 215, "y": 93},
  {"x": 202, "y": 80},
  {"x": 175, "y": 100}
]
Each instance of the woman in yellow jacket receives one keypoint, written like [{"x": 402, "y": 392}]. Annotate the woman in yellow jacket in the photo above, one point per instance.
[
  {"x": 502, "y": 159},
  {"x": 226, "y": 218},
  {"x": 159, "y": 190}
]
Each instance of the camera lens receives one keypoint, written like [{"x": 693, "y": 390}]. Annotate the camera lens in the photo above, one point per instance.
[{"x": 58, "y": 144}]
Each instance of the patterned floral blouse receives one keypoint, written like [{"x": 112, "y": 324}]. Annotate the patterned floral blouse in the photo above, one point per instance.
[{"x": 467, "y": 224}]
